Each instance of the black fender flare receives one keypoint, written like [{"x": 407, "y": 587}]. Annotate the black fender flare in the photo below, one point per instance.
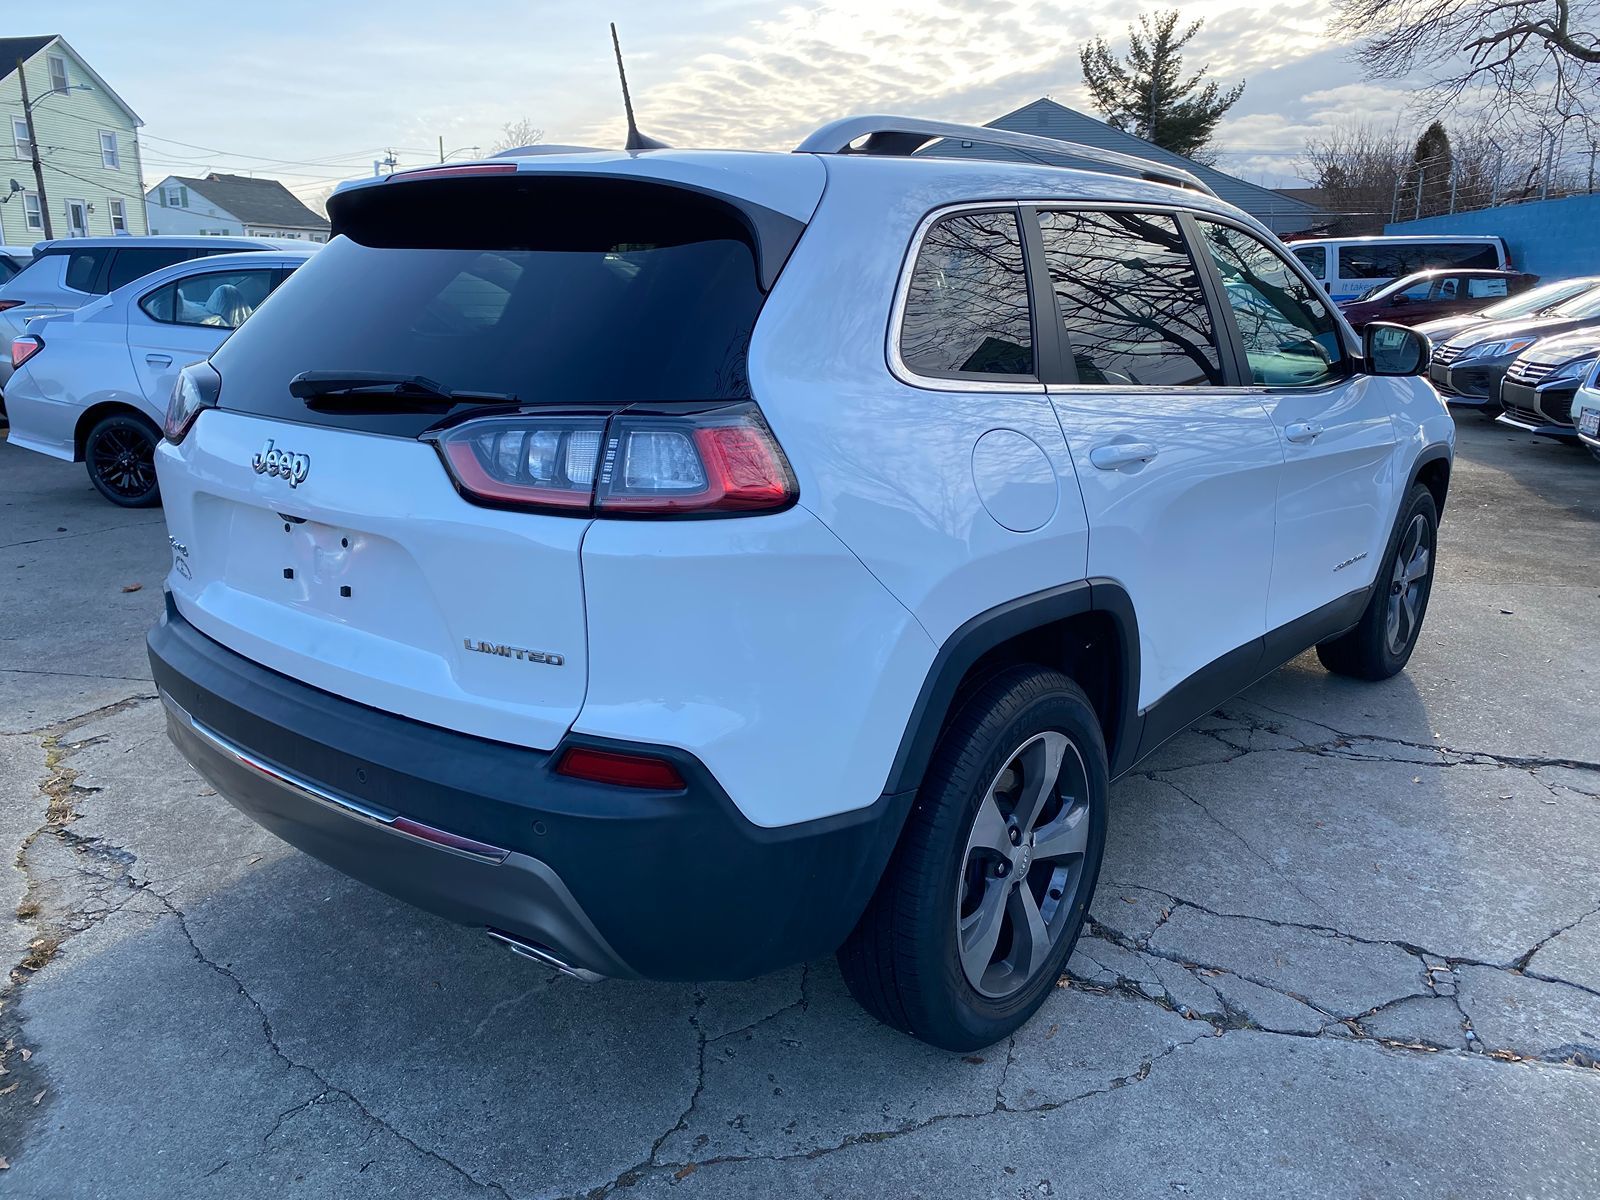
[
  {"x": 1437, "y": 452},
  {"x": 979, "y": 634}
]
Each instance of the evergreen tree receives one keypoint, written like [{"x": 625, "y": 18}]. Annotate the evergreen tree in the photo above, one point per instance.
[
  {"x": 1146, "y": 94},
  {"x": 1431, "y": 166}
]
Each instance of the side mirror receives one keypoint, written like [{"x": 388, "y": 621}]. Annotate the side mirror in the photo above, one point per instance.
[
  {"x": 1399, "y": 298},
  {"x": 1395, "y": 349}
]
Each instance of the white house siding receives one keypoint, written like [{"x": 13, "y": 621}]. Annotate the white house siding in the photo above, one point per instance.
[{"x": 68, "y": 126}]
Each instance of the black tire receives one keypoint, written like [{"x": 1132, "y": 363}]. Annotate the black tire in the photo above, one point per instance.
[
  {"x": 119, "y": 454},
  {"x": 903, "y": 962},
  {"x": 1377, "y": 648}
]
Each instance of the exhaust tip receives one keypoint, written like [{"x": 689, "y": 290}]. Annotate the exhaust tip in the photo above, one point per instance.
[{"x": 540, "y": 954}]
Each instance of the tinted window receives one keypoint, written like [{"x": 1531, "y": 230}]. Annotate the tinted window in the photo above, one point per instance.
[
  {"x": 1130, "y": 299},
  {"x": 1392, "y": 261},
  {"x": 966, "y": 310},
  {"x": 1315, "y": 259},
  {"x": 216, "y": 298},
  {"x": 564, "y": 293},
  {"x": 1290, "y": 335},
  {"x": 82, "y": 268},
  {"x": 135, "y": 264}
]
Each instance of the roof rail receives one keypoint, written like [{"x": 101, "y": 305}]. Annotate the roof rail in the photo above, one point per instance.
[{"x": 903, "y": 136}]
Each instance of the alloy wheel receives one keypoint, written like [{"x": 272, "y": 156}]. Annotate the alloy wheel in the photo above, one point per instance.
[
  {"x": 1023, "y": 865},
  {"x": 123, "y": 457},
  {"x": 1412, "y": 564}
]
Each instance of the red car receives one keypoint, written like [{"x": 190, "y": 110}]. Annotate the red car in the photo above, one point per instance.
[{"x": 1442, "y": 292}]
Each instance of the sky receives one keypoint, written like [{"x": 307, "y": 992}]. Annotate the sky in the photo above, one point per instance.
[{"x": 311, "y": 93}]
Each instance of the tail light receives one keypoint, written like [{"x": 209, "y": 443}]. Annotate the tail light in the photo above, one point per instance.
[
  {"x": 197, "y": 389},
  {"x": 24, "y": 348},
  {"x": 724, "y": 461},
  {"x": 620, "y": 769}
]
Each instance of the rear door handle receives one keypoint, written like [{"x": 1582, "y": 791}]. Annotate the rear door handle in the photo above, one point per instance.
[
  {"x": 1122, "y": 454},
  {"x": 1302, "y": 431},
  {"x": 158, "y": 360}
]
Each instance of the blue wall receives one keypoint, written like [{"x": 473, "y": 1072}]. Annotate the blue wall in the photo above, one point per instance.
[{"x": 1554, "y": 239}]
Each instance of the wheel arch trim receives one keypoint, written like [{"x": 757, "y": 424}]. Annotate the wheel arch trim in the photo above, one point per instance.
[{"x": 994, "y": 627}]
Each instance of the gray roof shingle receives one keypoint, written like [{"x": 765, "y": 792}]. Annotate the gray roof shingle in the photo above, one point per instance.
[
  {"x": 13, "y": 48},
  {"x": 1047, "y": 118},
  {"x": 254, "y": 201}
]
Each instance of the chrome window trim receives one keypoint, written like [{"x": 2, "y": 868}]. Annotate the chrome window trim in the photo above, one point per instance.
[{"x": 898, "y": 367}]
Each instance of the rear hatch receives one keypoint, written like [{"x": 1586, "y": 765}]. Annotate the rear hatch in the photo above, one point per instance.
[{"x": 317, "y": 529}]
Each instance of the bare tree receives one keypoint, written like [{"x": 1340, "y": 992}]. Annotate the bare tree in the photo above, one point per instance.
[
  {"x": 521, "y": 132},
  {"x": 1534, "y": 56}
]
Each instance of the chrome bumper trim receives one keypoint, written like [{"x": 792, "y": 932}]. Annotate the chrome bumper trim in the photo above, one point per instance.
[{"x": 389, "y": 822}]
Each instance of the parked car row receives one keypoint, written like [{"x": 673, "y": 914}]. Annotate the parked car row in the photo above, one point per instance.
[
  {"x": 1522, "y": 361},
  {"x": 98, "y": 330}
]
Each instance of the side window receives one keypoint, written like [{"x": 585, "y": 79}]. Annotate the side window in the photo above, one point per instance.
[
  {"x": 82, "y": 268},
  {"x": 1130, "y": 299},
  {"x": 1380, "y": 262},
  {"x": 1315, "y": 259},
  {"x": 1420, "y": 291},
  {"x": 135, "y": 264},
  {"x": 223, "y": 299},
  {"x": 1290, "y": 336},
  {"x": 1448, "y": 287},
  {"x": 966, "y": 309},
  {"x": 158, "y": 304}
]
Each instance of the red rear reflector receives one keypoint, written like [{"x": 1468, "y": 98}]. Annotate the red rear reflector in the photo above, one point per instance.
[
  {"x": 620, "y": 770},
  {"x": 505, "y": 168},
  {"x": 451, "y": 841},
  {"x": 24, "y": 348}
]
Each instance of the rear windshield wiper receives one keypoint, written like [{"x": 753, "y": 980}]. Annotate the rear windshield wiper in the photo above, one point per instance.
[{"x": 356, "y": 391}]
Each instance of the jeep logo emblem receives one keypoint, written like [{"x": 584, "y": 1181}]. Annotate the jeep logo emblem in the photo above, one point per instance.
[{"x": 271, "y": 461}]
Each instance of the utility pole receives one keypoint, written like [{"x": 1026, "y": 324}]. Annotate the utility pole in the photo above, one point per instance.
[
  {"x": 441, "y": 147},
  {"x": 33, "y": 146}
]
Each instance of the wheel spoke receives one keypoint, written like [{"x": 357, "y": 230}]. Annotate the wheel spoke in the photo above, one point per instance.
[
  {"x": 1030, "y": 936},
  {"x": 1418, "y": 566},
  {"x": 989, "y": 829},
  {"x": 980, "y": 933},
  {"x": 1065, "y": 837},
  {"x": 1041, "y": 774}
]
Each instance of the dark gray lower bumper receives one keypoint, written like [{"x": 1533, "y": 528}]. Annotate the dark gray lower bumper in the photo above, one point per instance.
[{"x": 470, "y": 882}]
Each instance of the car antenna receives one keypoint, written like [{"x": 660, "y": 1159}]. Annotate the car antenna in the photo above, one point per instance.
[{"x": 636, "y": 140}]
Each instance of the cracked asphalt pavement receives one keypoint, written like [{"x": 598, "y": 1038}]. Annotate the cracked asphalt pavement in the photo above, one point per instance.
[{"x": 1347, "y": 943}]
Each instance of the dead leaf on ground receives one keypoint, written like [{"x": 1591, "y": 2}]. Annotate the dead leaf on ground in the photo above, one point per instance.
[
  {"x": 1053, "y": 1030},
  {"x": 39, "y": 1097},
  {"x": 26, "y": 1054},
  {"x": 686, "y": 1171},
  {"x": 132, "y": 587},
  {"x": 12, "y": 1088},
  {"x": 4, "y": 1165}
]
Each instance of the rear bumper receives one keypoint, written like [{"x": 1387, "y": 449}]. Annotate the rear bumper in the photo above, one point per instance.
[{"x": 616, "y": 881}]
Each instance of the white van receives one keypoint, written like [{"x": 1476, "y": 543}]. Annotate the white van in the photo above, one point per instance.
[{"x": 1349, "y": 267}]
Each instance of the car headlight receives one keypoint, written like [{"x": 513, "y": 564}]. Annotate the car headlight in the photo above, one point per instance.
[
  {"x": 1498, "y": 349},
  {"x": 1569, "y": 371}
]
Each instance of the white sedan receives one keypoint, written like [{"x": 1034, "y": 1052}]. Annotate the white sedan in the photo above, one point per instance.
[{"x": 92, "y": 385}]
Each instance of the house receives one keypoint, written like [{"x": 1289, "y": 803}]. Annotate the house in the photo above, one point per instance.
[
  {"x": 1046, "y": 118},
  {"x": 89, "y": 181},
  {"x": 231, "y": 206}
]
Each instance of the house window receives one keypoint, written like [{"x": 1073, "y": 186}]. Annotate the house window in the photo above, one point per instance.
[
  {"x": 19, "y": 134},
  {"x": 175, "y": 197},
  {"x": 58, "y": 73},
  {"x": 32, "y": 211},
  {"x": 109, "y": 157},
  {"x": 119, "y": 216}
]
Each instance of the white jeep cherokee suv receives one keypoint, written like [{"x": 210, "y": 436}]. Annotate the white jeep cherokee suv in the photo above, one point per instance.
[{"x": 683, "y": 564}]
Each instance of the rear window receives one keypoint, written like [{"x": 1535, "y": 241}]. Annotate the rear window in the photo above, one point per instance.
[
  {"x": 558, "y": 292},
  {"x": 136, "y": 264}
]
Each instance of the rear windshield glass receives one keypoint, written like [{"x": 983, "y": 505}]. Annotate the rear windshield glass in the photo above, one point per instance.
[{"x": 572, "y": 296}]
